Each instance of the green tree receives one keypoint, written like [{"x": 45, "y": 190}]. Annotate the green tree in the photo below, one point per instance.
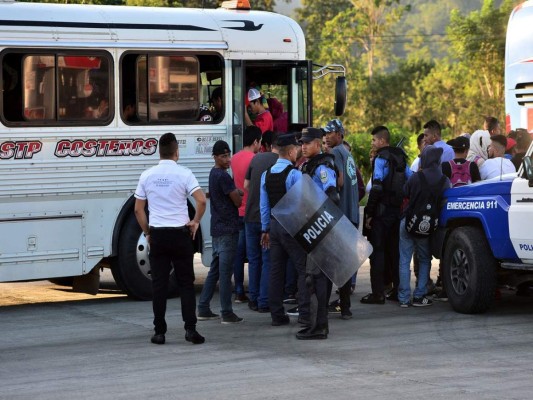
[
  {"x": 478, "y": 40},
  {"x": 313, "y": 16}
]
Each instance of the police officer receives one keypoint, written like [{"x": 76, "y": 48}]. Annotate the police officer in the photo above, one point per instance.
[
  {"x": 321, "y": 168},
  {"x": 382, "y": 214},
  {"x": 348, "y": 193},
  {"x": 275, "y": 182},
  {"x": 170, "y": 233}
]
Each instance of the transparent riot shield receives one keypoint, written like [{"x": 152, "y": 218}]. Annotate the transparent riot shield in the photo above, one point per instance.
[{"x": 330, "y": 239}]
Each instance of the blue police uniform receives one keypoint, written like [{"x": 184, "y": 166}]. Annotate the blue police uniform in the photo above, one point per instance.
[
  {"x": 276, "y": 181},
  {"x": 390, "y": 172},
  {"x": 321, "y": 169}
]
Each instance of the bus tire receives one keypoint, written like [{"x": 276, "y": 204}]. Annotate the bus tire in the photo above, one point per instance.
[
  {"x": 132, "y": 268},
  {"x": 469, "y": 271}
]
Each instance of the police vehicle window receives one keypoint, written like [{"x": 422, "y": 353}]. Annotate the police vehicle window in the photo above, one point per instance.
[
  {"x": 55, "y": 89},
  {"x": 167, "y": 88}
]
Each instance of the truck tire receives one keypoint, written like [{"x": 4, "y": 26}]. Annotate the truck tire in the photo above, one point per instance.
[
  {"x": 131, "y": 269},
  {"x": 469, "y": 271}
]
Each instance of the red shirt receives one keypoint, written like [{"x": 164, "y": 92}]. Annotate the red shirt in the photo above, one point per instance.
[
  {"x": 264, "y": 122},
  {"x": 239, "y": 166}
]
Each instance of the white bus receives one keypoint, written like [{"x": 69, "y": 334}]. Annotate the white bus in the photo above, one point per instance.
[
  {"x": 86, "y": 91},
  {"x": 519, "y": 68}
]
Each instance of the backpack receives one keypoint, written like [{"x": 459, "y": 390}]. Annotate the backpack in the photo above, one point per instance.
[
  {"x": 460, "y": 175},
  {"x": 395, "y": 180},
  {"x": 422, "y": 215}
]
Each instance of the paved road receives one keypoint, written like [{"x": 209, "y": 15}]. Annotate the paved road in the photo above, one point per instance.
[{"x": 55, "y": 344}]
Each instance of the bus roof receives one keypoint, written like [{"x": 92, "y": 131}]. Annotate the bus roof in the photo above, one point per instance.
[{"x": 239, "y": 34}]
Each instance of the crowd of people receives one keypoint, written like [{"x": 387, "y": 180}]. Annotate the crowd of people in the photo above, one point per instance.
[{"x": 243, "y": 227}]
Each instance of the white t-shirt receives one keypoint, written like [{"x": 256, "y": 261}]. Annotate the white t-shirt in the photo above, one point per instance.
[
  {"x": 494, "y": 167},
  {"x": 166, "y": 187},
  {"x": 415, "y": 165}
]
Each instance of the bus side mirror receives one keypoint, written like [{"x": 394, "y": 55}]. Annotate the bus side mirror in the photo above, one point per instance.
[
  {"x": 528, "y": 169},
  {"x": 340, "y": 95}
]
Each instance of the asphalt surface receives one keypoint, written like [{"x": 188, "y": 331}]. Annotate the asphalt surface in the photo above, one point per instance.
[{"x": 55, "y": 344}]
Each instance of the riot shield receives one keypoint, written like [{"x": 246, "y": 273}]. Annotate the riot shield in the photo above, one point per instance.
[{"x": 329, "y": 238}]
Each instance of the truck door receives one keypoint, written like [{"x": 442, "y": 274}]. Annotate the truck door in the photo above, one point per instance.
[{"x": 521, "y": 219}]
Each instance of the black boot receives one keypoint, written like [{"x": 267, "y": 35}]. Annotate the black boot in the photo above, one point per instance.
[
  {"x": 316, "y": 333},
  {"x": 191, "y": 335}
]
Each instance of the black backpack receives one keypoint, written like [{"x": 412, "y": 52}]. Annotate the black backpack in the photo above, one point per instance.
[
  {"x": 422, "y": 214},
  {"x": 395, "y": 180}
]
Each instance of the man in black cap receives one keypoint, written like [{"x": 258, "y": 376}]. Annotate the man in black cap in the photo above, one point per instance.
[
  {"x": 275, "y": 182},
  {"x": 321, "y": 168},
  {"x": 225, "y": 200},
  {"x": 460, "y": 171}
]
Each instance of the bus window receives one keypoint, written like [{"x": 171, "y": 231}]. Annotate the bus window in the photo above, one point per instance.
[
  {"x": 167, "y": 88},
  {"x": 53, "y": 89},
  {"x": 170, "y": 89},
  {"x": 39, "y": 78}
]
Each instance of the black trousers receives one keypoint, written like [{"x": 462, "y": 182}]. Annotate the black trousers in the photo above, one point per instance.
[
  {"x": 322, "y": 289},
  {"x": 282, "y": 248},
  {"x": 385, "y": 257},
  {"x": 172, "y": 248},
  {"x": 345, "y": 291}
]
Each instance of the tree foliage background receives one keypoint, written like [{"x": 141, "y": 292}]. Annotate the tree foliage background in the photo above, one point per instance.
[{"x": 408, "y": 61}]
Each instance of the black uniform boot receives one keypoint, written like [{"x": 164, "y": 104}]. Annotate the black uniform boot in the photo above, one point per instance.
[{"x": 316, "y": 333}]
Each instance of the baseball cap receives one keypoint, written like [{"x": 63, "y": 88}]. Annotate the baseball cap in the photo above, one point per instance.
[
  {"x": 286, "y": 140},
  {"x": 309, "y": 134},
  {"x": 253, "y": 94},
  {"x": 335, "y": 125},
  {"x": 220, "y": 147},
  {"x": 459, "y": 143}
]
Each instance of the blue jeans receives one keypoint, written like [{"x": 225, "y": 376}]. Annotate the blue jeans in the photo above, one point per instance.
[
  {"x": 258, "y": 265},
  {"x": 238, "y": 265},
  {"x": 408, "y": 243},
  {"x": 224, "y": 248}
]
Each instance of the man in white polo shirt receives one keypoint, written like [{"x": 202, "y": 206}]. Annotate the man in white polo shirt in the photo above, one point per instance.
[{"x": 170, "y": 233}]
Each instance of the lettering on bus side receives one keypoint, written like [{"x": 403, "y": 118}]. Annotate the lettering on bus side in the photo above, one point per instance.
[
  {"x": 19, "y": 150},
  {"x": 105, "y": 147}
]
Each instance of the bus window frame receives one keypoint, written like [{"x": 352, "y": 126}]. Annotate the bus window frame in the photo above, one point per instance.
[
  {"x": 60, "y": 52},
  {"x": 167, "y": 53},
  {"x": 289, "y": 66}
]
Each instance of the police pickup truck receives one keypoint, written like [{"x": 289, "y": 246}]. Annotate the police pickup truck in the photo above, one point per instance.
[{"x": 485, "y": 238}]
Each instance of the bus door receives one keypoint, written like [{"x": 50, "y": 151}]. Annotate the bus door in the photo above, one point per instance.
[{"x": 286, "y": 87}]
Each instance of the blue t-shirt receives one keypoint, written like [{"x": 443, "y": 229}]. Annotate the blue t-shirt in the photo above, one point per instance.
[{"x": 224, "y": 214}]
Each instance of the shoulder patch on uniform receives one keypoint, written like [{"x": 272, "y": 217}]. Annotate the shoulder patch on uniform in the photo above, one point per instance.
[{"x": 324, "y": 175}]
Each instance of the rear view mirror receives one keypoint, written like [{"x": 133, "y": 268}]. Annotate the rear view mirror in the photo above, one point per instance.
[{"x": 340, "y": 95}]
